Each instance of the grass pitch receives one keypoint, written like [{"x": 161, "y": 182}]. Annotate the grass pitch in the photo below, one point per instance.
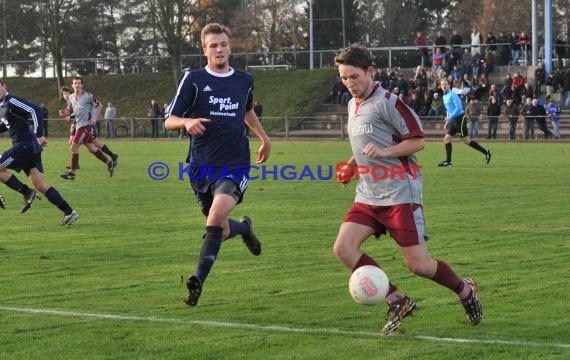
[{"x": 111, "y": 286}]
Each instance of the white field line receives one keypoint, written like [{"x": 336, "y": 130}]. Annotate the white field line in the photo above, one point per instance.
[{"x": 278, "y": 328}]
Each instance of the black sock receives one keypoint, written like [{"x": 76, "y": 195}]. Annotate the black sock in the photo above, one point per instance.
[
  {"x": 209, "y": 252},
  {"x": 55, "y": 198},
  {"x": 475, "y": 145},
  {"x": 448, "y": 152},
  {"x": 15, "y": 184},
  {"x": 108, "y": 151},
  {"x": 238, "y": 228}
]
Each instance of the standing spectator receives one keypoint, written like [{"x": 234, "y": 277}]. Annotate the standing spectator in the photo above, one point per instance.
[
  {"x": 437, "y": 60},
  {"x": 539, "y": 113},
  {"x": 528, "y": 124},
  {"x": 517, "y": 87},
  {"x": 456, "y": 41},
  {"x": 476, "y": 41},
  {"x": 503, "y": 50},
  {"x": 466, "y": 61},
  {"x": 217, "y": 142},
  {"x": 166, "y": 133},
  {"x": 474, "y": 112},
  {"x": 524, "y": 41},
  {"x": 560, "y": 49},
  {"x": 440, "y": 42},
  {"x": 566, "y": 88},
  {"x": 512, "y": 112},
  {"x": 394, "y": 206},
  {"x": 421, "y": 42},
  {"x": 553, "y": 111},
  {"x": 45, "y": 114},
  {"x": 527, "y": 92},
  {"x": 455, "y": 124},
  {"x": 539, "y": 78},
  {"x": 110, "y": 113},
  {"x": 515, "y": 49},
  {"x": 491, "y": 43},
  {"x": 154, "y": 114},
  {"x": 489, "y": 62},
  {"x": 551, "y": 84},
  {"x": 336, "y": 92},
  {"x": 493, "y": 91},
  {"x": 493, "y": 112}
]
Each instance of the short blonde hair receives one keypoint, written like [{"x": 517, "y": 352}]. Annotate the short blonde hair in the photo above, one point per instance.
[{"x": 215, "y": 28}]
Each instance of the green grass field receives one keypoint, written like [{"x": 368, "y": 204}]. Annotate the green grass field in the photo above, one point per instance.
[{"x": 111, "y": 286}]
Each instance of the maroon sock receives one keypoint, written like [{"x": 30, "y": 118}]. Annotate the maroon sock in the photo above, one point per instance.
[
  {"x": 444, "y": 275},
  {"x": 365, "y": 260},
  {"x": 99, "y": 155},
  {"x": 74, "y": 162}
]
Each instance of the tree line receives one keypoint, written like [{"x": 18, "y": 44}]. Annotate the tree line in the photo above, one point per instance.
[{"x": 36, "y": 30}]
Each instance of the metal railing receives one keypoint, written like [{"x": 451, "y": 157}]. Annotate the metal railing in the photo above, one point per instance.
[{"x": 286, "y": 127}]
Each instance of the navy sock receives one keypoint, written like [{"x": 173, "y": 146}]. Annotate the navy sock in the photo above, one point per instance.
[
  {"x": 55, "y": 198},
  {"x": 15, "y": 184},
  {"x": 209, "y": 252},
  {"x": 238, "y": 228},
  {"x": 448, "y": 148}
]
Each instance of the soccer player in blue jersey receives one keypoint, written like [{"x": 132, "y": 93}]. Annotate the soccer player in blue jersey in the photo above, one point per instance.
[
  {"x": 23, "y": 120},
  {"x": 385, "y": 133},
  {"x": 456, "y": 123},
  {"x": 213, "y": 105}
]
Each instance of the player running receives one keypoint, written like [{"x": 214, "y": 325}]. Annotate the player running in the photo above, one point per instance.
[{"x": 23, "y": 121}]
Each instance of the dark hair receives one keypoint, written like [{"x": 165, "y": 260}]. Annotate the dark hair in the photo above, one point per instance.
[
  {"x": 354, "y": 55},
  {"x": 78, "y": 78}
]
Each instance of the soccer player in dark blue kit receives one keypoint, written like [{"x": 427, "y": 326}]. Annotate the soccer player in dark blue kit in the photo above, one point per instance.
[
  {"x": 23, "y": 120},
  {"x": 213, "y": 105}
]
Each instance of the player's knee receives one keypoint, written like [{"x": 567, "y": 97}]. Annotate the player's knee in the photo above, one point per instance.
[{"x": 341, "y": 249}]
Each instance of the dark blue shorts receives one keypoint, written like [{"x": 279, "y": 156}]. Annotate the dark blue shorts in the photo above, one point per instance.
[
  {"x": 206, "y": 187},
  {"x": 22, "y": 158}
]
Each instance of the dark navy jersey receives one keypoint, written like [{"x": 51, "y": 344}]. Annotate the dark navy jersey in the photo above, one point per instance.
[
  {"x": 224, "y": 99},
  {"x": 23, "y": 121}
]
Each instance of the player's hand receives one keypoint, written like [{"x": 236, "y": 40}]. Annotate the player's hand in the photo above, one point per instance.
[
  {"x": 64, "y": 113},
  {"x": 196, "y": 127},
  {"x": 42, "y": 141},
  {"x": 445, "y": 126},
  {"x": 263, "y": 153},
  {"x": 372, "y": 151},
  {"x": 344, "y": 175}
]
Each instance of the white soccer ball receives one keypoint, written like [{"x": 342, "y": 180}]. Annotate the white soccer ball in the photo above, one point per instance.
[{"x": 368, "y": 285}]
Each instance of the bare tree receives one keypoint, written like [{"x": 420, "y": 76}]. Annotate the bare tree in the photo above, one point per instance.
[{"x": 55, "y": 17}]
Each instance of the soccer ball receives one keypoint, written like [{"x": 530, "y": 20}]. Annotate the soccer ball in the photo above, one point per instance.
[{"x": 368, "y": 285}]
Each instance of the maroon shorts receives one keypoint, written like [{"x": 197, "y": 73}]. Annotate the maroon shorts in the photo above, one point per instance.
[
  {"x": 404, "y": 222},
  {"x": 83, "y": 135}
]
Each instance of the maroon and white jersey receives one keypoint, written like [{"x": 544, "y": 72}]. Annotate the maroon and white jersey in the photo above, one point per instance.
[{"x": 384, "y": 120}]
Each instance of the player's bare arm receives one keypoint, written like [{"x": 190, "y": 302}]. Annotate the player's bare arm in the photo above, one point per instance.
[
  {"x": 253, "y": 123},
  {"x": 405, "y": 148}
]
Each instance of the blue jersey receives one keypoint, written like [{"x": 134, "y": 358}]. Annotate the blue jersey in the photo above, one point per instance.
[
  {"x": 23, "y": 121},
  {"x": 453, "y": 105},
  {"x": 224, "y": 99}
]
